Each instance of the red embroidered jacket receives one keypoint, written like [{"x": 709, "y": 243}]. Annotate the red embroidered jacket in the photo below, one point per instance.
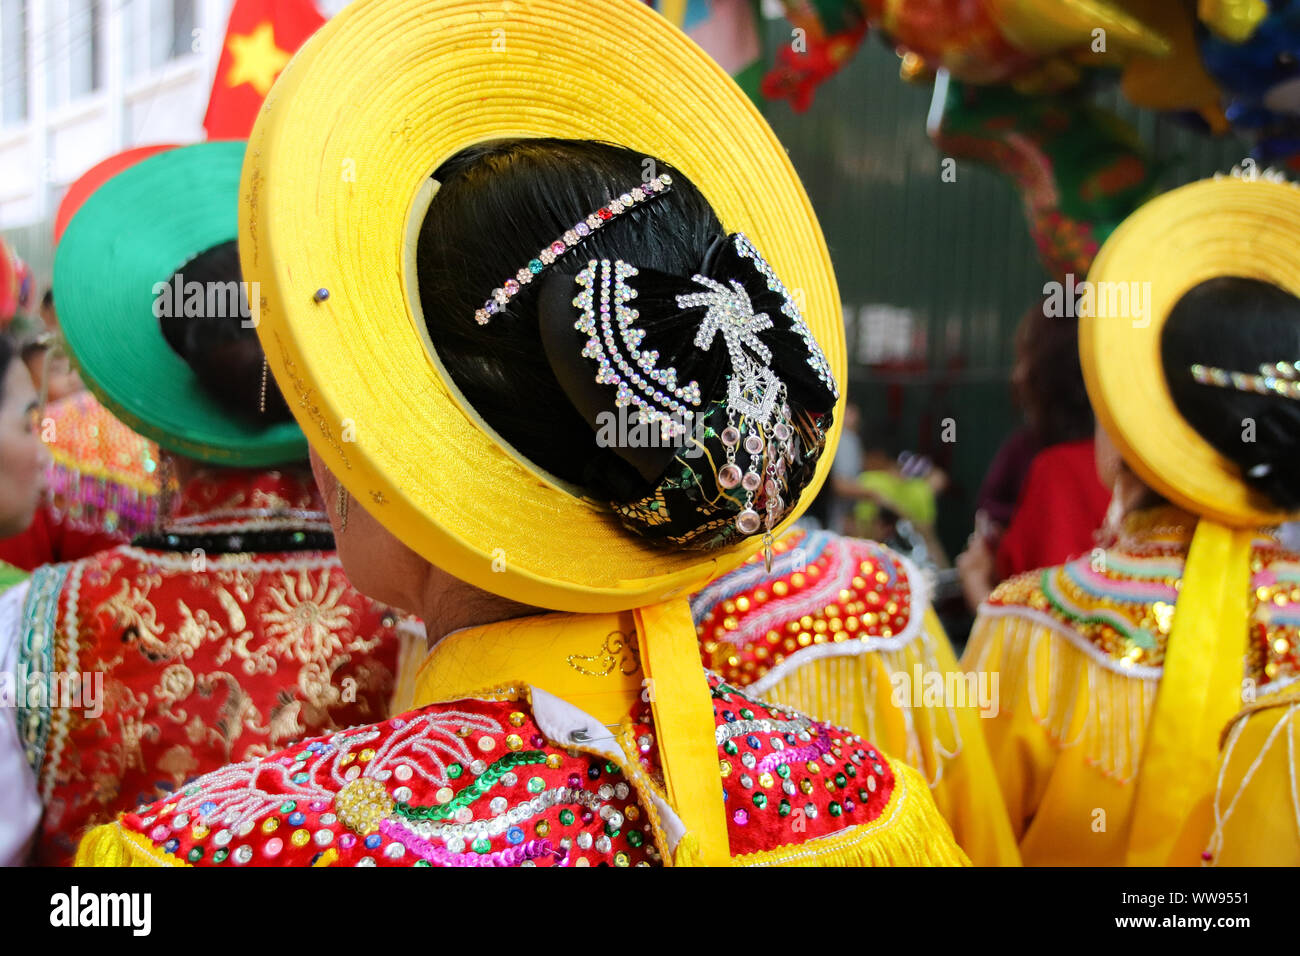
[
  {"x": 232, "y": 634},
  {"x": 480, "y": 782}
]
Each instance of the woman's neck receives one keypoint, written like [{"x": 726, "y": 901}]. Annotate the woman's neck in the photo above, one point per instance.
[{"x": 449, "y": 604}]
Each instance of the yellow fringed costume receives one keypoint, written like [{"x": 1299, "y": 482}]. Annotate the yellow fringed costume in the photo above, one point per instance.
[
  {"x": 1079, "y": 650},
  {"x": 1120, "y": 669},
  {"x": 842, "y": 628},
  {"x": 1256, "y": 798}
]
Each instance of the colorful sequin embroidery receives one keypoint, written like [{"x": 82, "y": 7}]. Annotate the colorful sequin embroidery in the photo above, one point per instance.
[
  {"x": 470, "y": 784},
  {"x": 786, "y": 778},
  {"x": 1121, "y": 600},
  {"x": 823, "y": 590}
]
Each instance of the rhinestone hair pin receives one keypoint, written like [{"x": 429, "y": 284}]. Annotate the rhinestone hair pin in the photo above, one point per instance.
[
  {"x": 1280, "y": 378},
  {"x": 572, "y": 237}
]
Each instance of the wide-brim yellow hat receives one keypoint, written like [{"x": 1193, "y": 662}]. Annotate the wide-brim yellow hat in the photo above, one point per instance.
[
  {"x": 1217, "y": 227},
  {"x": 335, "y": 186}
]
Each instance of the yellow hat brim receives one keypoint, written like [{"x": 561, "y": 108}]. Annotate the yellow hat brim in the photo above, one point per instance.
[
  {"x": 1208, "y": 229},
  {"x": 335, "y": 176}
]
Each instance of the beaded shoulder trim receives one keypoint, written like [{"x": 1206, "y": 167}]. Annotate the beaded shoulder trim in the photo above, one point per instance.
[
  {"x": 469, "y": 783},
  {"x": 35, "y": 660},
  {"x": 787, "y": 779},
  {"x": 1119, "y": 604},
  {"x": 826, "y": 595}
]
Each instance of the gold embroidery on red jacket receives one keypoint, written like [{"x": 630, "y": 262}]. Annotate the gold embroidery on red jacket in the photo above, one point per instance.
[{"x": 207, "y": 659}]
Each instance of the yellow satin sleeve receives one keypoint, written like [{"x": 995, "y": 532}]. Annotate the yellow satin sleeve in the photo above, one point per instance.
[
  {"x": 1257, "y": 798},
  {"x": 1066, "y": 742},
  {"x": 945, "y": 743}
]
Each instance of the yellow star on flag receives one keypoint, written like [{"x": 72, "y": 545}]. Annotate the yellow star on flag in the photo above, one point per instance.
[{"x": 257, "y": 60}]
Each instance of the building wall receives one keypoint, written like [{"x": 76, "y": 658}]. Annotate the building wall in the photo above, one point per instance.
[{"x": 84, "y": 79}]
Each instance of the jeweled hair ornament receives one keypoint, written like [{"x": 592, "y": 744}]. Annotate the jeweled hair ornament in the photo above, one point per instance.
[
  {"x": 697, "y": 359},
  {"x": 1279, "y": 378},
  {"x": 548, "y": 254}
]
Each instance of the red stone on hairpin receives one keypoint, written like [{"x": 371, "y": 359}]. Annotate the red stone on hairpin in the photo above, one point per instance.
[{"x": 549, "y": 254}]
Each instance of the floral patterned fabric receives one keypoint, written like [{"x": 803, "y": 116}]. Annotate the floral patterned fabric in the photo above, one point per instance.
[{"x": 189, "y": 659}]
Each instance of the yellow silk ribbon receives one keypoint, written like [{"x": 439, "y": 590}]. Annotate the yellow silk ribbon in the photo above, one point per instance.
[
  {"x": 684, "y": 720},
  {"x": 598, "y": 663},
  {"x": 1200, "y": 690}
]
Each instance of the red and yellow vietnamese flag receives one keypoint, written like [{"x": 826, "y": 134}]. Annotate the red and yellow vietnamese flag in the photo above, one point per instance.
[{"x": 261, "y": 36}]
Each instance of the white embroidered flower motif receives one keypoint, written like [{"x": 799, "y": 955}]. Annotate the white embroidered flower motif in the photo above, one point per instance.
[
  {"x": 236, "y": 798},
  {"x": 754, "y": 388}
]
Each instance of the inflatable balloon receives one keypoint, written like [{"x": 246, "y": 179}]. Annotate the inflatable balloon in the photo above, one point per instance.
[
  {"x": 1261, "y": 79},
  {"x": 827, "y": 37},
  {"x": 1175, "y": 81},
  {"x": 1080, "y": 170}
]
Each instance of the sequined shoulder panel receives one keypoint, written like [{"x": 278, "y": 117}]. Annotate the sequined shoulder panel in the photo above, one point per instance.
[
  {"x": 786, "y": 778},
  {"x": 1121, "y": 603},
  {"x": 1272, "y": 658},
  {"x": 467, "y": 783},
  {"x": 825, "y": 594}
]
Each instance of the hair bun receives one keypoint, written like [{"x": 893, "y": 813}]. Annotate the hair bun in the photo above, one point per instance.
[{"x": 719, "y": 366}]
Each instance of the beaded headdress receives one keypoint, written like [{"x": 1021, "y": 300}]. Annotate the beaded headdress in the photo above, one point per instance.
[{"x": 701, "y": 356}]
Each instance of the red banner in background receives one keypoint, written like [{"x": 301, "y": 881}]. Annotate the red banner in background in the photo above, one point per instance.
[{"x": 261, "y": 36}]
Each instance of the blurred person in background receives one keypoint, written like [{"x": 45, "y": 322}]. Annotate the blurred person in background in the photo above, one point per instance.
[
  {"x": 22, "y": 454},
  {"x": 1041, "y": 501},
  {"x": 99, "y": 482},
  {"x": 51, "y": 369},
  {"x": 900, "y": 504}
]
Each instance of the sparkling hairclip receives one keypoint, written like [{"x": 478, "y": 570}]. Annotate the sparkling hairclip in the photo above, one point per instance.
[
  {"x": 572, "y": 237},
  {"x": 1251, "y": 173},
  {"x": 1280, "y": 378}
]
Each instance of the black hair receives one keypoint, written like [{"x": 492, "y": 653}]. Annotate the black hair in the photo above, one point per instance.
[
  {"x": 499, "y": 203},
  {"x": 1053, "y": 396},
  {"x": 47, "y": 300},
  {"x": 8, "y": 352},
  {"x": 220, "y": 348},
  {"x": 1238, "y": 324}
]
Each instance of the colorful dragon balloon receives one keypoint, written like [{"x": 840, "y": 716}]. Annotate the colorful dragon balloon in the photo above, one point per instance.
[{"x": 1016, "y": 68}]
